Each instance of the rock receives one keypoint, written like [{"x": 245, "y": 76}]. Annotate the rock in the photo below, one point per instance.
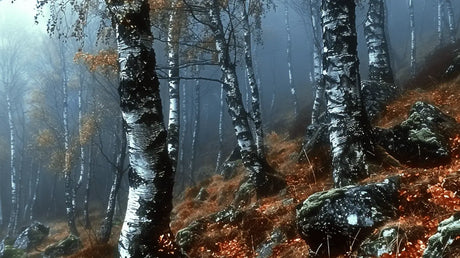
[
  {"x": 186, "y": 237},
  {"x": 265, "y": 249},
  {"x": 228, "y": 215},
  {"x": 386, "y": 241},
  {"x": 422, "y": 139},
  {"x": 32, "y": 236},
  {"x": 202, "y": 195},
  {"x": 336, "y": 218},
  {"x": 376, "y": 96},
  {"x": 448, "y": 231},
  {"x": 67, "y": 246}
]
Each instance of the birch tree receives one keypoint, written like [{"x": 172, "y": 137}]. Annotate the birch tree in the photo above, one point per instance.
[
  {"x": 348, "y": 133},
  {"x": 413, "y": 46}
]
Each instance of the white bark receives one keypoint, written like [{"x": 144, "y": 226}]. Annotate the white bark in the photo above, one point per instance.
[
  {"x": 319, "y": 101},
  {"x": 439, "y": 20},
  {"x": 289, "y": 59},
  {"x": 412, "y": 38},
  {"x": 221, "y": 129},
  {"x": 450, "y": 19},
  {"x": 14, "y": 214},
  {"x": 35, "y": 193},
  {"x": 195, "y": 130}
]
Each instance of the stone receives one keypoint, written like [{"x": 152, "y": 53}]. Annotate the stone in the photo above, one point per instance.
[
  {"x": 186, "y": 237},
  {"x": 9, "y": 251},
  {"x": 333, "y": 220},
  {"x": 439, "y": 243},
  {"x": 68, "y": 246},
  {"x": 422, "y": 139},
  {"x": 32, "y": 236},
  {"x": 386, "y": 241},
  {"x": 376, "y": 96}
]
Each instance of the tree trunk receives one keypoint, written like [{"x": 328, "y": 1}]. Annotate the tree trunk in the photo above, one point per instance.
[
  {"x": 450, "y": 19},
  {"x": 14, "y": 214},
  {"x": 254, "y": 87},
  {"x": 145, "y": 231},
  {"x": 174, "y": 31},
  {"x": 68, "y": 187},
  {"x": 379, "y": 56},
  {"x": 195, "y": 130},
  {"x": 220, "y": 130},
  {"x": 412, "y": 38},
  {"x": 347, "y": 128},
  {"x": 289, "y": 59},
  {"x": 319, "y": 101},
  {"x": 35, "y": 193},
  {"x": 89, "y": 179},
  {"x": 439, "y": 20},
  {"x": 106, "y": 227},
  {"x": 256, "y": 167}
]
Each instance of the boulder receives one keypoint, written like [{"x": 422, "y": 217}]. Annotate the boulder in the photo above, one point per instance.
[
  {"x": 422, "y": 139},
  {"x": 376, "y": 96},
  {"x": 68, "y": 246},
  {"x": 333, "y": 220},
  {"x": 32, "y": 236},
  {"x": 386, "y": 241},
  {"x": 448, "y": 232},
  {"x": 8, "y": 251}
]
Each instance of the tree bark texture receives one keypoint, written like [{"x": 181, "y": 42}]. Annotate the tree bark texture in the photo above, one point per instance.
[
  {"x": 412, "y": 39},
  {"x": 145, "y": 231},
  {"x": 254, "y": 87},
  {"x": 379, "y": 56},
  {"x": 347, "y": 127},
  {"x": 450, "y": 20},
  {"x": 14, "y": 213},
  {"x": 289, "y": 58}
]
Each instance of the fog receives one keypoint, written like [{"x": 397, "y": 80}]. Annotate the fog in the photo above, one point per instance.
[{"x": 32, "y": 70}]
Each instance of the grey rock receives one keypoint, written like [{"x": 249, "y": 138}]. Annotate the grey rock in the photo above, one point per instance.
[
  {"x": 422, "y": 139},
  {"x": 8, "y": 251},
  {"x": 448, "y": 231},
  {"x": 337, "y": 218},
  {"x": 265, "y": 249},
  {"x": 186, "y": 237},
  {"x": 386, "y": 241},
  {"x": 32, "y": 236},
  {"x": 68, "y": 246}
]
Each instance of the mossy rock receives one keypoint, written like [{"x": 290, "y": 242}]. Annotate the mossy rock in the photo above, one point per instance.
[{"x": 11, "y": 252}]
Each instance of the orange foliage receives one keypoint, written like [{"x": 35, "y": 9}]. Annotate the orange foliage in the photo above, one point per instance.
[{"x": 105, "y": 60}]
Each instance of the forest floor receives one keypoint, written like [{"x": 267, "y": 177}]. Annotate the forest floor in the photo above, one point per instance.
[{"x": 427, "y": 195}]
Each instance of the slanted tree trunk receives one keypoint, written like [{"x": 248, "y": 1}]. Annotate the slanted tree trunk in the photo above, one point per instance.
[
  {"x": 379, "y": 56},
  {"x": 14, "y": 213},
  {"x": 347, "y": 128},
  {"x": 412, "y": 39},
  {"x": 145, "y": 231},
  {"x": 174, "y": 30},
  {"x": 254, "y": 87},
  {"x": 450, "y": 19},
  {"x": 289, "y": 59},
  {"x": 319, "y": 101},
  {"x": 106, "y": 227},
  {"x": 256, "y": 167}
]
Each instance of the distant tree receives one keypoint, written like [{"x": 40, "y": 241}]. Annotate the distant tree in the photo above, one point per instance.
[
  {"x": 348, "y": 127},
  {"x": 412, "y": 38}
]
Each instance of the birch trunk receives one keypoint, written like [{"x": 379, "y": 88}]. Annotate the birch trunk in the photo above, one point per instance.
[
  {"x": 68, "y": 187},
  {"x": 195, "y": 130},
  {"x": 145, "y": 231},
  {"x": 256, "y": 167},
  {"x": 289, "y": 59},
  {"x": 319, "y": 101},
  {"x": 412, "y": 39},
  {"x": 14, "y": 214},
  {"x": 174, "y": 30},
  {"x": 89, "y": 179},
  {"x": 450, "y": 19},
  {"x": 254, "y": 87},
  {"x": 379, "y": 56},
  {"x": 35, "y": 194},
  {"x": 221, "y": 129},
  {"x": 439, "y": 20},
  {"x": 347, "y": 128}
]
